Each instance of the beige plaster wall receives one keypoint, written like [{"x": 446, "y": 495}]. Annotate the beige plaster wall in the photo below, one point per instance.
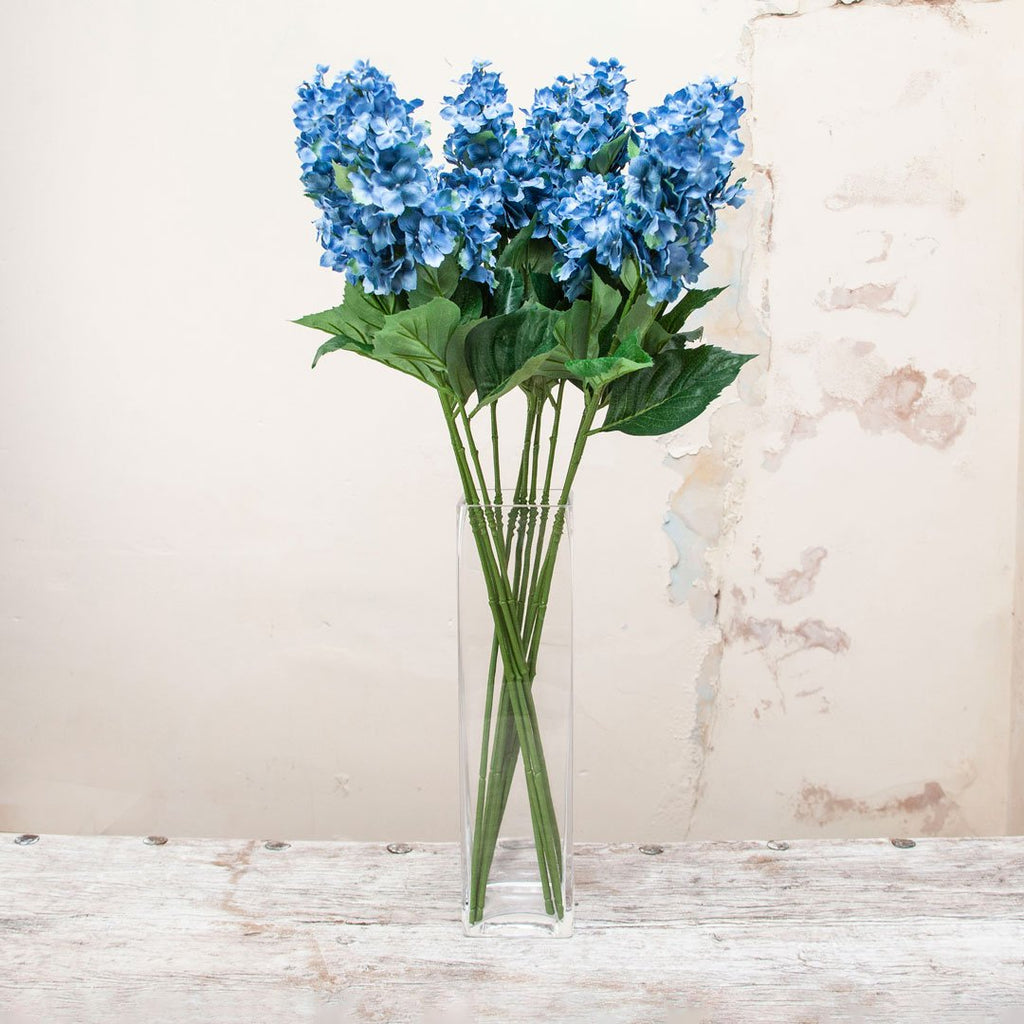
[{"x": 227, "y": 586}]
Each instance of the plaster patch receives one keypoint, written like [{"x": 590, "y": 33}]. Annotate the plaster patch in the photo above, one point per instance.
[
  {"x": 920, "y": 183},
  {"x": 928, "y": 810},
  {"x": 879, "y": 298},
  {"x": 776, "y": 640},
  {"x": 804, "y": 636},
  {"x": 928, "y": 409},
  {"x": 798, "y": 583}
]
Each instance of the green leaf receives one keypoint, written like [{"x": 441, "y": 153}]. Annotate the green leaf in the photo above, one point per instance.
[
  {"x": 333, "y": 344},
  {"x": 678, "y": 387},
  {"x": 632, "y": 149},
  {"x": 540, "y": 255},
  {"x": 419, "y": 336},
  {"x": 508, "y": 290},
  {"x": 637, "y": 318},
  {"x": 357, "y": 318},
  {"x": 629, "y": 357},
  {"x": 674, "y": 319},
  {"x": 516, "y": 249},
  {"x": 469, "y": 297},
  {"x": 503, "y": 351},
  {"x": 459, "y": 374},
  {"x": 546, "y": 290},
  {"x": 604, "y": 159},
  {"x": 657, "y": 338},
  {"x": 604, "y": 304},
  {"x": 342, "y": 177},
  {"x": 434, "y": 282},
  {"x": 630, "y": 274},
  {"x": 356, "y": 326}
]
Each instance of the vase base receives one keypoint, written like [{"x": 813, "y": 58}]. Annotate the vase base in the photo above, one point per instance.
[{"x": 513, "y": 925}]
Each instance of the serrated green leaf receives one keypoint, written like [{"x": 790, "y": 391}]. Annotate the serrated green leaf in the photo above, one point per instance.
[
  {"x": 679, "y": 385},
  {"x": 333, "y": 344},
  {"x": 434, "y": 282},
  {"x": 658, "y": 338},
  {"x": 503, "y": 351},
  {"x": 599, "y": 372},
  {"x": 354, "y": 326},
  {"x": 418, "y": 335},
  {"x": 674, "y": 319},
  {"x": 604, "y": 159},
  {"x": 357, "y": 318}
]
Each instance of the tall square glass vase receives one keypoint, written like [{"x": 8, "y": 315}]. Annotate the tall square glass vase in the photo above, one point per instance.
[{"x": 515, "y": 711}]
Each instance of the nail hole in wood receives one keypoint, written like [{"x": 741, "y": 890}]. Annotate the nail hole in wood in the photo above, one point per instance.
[
  {"x": 276, "y": 844},
  {"x": 26, "y": 840},
  {"x": 903, "y": 844},
  {"x": 155, "y": 840},
  {"x": 777, "y": 844},
  {"x": 653, "y": 850},
  {"x": 399, "y": 848}
]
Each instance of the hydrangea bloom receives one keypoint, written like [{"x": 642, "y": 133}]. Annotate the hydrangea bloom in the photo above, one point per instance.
[
  {"x": 384, "y": 213},
  {"x": 494, "y": 179},
  {"x": 574, "y": 117},
  {"x": 385, "y": 209},
  {"x": 585, "y": 222},
  {"x": 679, "y": 179},
  {"x": 481, "y": 119}
]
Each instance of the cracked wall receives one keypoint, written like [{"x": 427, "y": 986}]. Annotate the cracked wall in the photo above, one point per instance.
[{"x": 861, "y": 559}]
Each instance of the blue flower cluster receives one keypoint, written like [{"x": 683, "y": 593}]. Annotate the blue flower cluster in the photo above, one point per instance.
[
  {"x": 574, "y": 117},
  {"x": 679, "y": 179},
  {"x": 365, "y": 165},
  {"x": 385, "y": 209},
  {"x": 585, "y": 220},
  {"x": 494, "y": 180}
]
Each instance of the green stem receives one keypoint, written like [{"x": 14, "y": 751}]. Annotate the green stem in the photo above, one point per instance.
[
  {"x": 535, "y": 617},
  {"x": 506, "y": 749},
  {"x": 495, "y": 459},
  {"x": 510, "y": 645},
  {"x": 485, "y": 796}
]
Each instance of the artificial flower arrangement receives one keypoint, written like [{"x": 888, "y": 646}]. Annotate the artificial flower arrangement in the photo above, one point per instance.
[{"x": 548, "y": 258}]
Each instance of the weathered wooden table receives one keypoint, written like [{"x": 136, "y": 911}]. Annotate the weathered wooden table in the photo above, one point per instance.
[{"x": 118, "y": 929}]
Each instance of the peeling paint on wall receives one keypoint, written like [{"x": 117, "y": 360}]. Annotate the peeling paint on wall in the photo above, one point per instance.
[
  {"x": 929, "y": 810},
  {"x": 930, "y": 409}
]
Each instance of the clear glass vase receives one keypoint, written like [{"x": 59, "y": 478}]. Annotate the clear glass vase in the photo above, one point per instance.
[{"x": 515, "y": 710}]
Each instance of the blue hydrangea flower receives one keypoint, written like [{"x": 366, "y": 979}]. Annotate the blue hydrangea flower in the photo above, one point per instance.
[
  {"x": 387, "y": 213},
  {"x": 574, "y": 117},
  {"x": 481, "y": 119},
  {"x": 385, "y": 209},
  {"x": 495, "y": 183},
  {"x": 586, "y": 223},
  {"x": 679, "y": 179}
]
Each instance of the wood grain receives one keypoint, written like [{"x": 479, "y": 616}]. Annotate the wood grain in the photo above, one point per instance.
[{"x": 111, "y": 929}]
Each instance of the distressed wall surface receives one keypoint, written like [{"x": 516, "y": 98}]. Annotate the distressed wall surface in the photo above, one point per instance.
[{"x": 227, "y": 591}]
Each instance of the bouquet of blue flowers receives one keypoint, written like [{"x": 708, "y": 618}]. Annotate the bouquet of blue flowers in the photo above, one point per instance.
[{"x": 555, "y": 253}]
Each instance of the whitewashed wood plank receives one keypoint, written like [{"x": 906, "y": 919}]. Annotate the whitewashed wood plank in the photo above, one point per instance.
[{"x": 108, "y": 928}]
